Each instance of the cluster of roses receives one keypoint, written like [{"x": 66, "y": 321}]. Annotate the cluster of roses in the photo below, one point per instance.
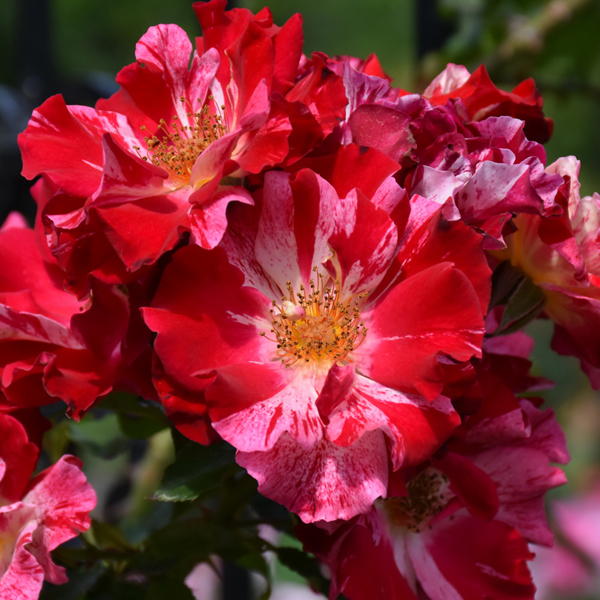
[{"x": 327, "y": 272}]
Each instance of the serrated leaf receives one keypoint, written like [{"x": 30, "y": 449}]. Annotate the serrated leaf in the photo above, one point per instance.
[
  {"x": 195, "y": 470},
  {"x": 524, "y": 305}
]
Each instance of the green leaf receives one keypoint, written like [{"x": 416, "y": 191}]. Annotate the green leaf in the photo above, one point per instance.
[
  {"x": 137, "y": 418},
  {"x": 304, "y": 564},
  {"x": 236, "y": 493},
  {"x": 272, "y": 513},
  {"x": 75, "y": 557},
  {"x": 109, "y": 588},
  {"x": 139, "y": 428},
  {"x": 109, "y": 537},
  {"x": 183, "y": 544},
  {"x": 196, "y": 469},
  {"x": 79, "y": 584},
  {"x": 121, "y": 402},
  {"x": 100, "y": 434},
  {"x": 161, "y": 588},
  {"x": 175, "y": 549},
  {"x": 148, "y": 518},
  {"x": 505, "y": 280},
  {"x": 524, "y": 305},
  {"x": 56, "y": 440},
  {"x": 255, "y": 561}
]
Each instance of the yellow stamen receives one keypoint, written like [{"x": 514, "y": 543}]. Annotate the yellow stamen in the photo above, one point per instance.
[
  {"x": 179, "y": 145},
  {"x": 317, "y": 326}
]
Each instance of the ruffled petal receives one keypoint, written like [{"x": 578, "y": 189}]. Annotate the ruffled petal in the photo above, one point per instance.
[
  {"x": 215, "y": 311},
  {"x": 63, "y": 500},
  {"x": 252, "y": 405},
  {"x": 414, "y": 426},
  {"x": 54, "y": 138},
  {"x": 323, "y": 484},
  {"x": 433, "y": 312},
  {"x": 470, "y": 559}
]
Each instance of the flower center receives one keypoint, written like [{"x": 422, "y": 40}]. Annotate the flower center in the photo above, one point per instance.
[
  {"x": 425, "y": 499},
  {"x": 180, "y": 145},
  {"x": 317, "y": 326}
]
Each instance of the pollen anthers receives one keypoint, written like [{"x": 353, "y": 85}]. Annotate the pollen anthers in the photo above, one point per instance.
[
  {"x": 180, "y": 145},
  {"x": 315, "y": 325},
  {"x": 425, "y": 499}
]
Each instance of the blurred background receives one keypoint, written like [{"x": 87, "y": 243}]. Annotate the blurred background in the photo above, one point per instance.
[{"x": 76, "y": 47}]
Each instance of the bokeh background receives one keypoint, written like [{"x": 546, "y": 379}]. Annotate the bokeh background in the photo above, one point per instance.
[{"x": 76, "y": 47}]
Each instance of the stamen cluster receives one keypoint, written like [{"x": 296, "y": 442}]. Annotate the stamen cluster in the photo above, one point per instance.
[
  {"x": 317, "y": 325},
  {"x": 180, "y": 146},
  {"x": 425, "y": 499}
]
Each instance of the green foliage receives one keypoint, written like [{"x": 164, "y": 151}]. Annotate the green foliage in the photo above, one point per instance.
[
  {"x": 80, "y": 582},
  {"x": 505, "y": 281},
  {"x": 524, "y": 305},
  {"x": 138, "y": 419},
  {"x": 57, "y": 439},
  {"x": 305, "y": 565},
  {"x": 196, "y": 470},
  {"x": 163, "y": 587},
  {"x": 109, "y": 587},
  {"x": 109, "y": 537},
  {"x": 99, "y": 434},
  {"x": 524, "y": 300}
]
